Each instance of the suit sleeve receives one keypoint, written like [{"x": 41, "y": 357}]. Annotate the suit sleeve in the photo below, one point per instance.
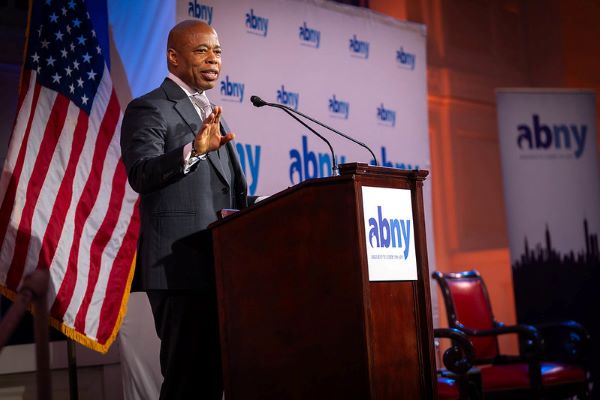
[{"x": 143, "y": 137}]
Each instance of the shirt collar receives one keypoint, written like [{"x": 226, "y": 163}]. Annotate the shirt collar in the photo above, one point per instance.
[{"x": 189, "y": 91}]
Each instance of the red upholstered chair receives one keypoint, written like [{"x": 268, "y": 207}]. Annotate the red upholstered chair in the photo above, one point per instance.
[
  {"x": 527, "y": 375},
  {"x": 448, "y": 388},
  {"x": 453, "y": 381}
]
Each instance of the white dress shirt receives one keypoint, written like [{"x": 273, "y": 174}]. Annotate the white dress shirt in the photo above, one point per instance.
[{"x": 203, "y": 108}]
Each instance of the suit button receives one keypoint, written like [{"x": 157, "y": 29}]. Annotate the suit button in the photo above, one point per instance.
[{"x": 225, "y": 190}]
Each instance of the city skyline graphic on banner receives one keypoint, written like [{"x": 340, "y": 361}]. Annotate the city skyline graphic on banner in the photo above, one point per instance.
[
  {"x": 552, "y": 286},
  {"x": 539, "y": 256}
]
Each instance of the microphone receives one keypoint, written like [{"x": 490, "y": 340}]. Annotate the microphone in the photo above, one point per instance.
[{"x": 258, "y": 102}]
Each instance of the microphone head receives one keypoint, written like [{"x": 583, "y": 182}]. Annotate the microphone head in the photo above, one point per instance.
[{"x": 257, "y": 101}]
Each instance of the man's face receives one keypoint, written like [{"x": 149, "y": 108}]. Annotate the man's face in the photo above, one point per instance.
[{"x": 196, "y": 57}]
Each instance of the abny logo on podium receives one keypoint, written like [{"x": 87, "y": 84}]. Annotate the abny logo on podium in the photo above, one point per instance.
[{"x": 389, "y": 234}]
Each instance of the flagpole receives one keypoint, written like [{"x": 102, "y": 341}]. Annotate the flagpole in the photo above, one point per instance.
[{"x": 72, "y": 361}]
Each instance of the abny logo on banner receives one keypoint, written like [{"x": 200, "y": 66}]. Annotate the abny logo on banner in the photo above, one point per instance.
[
  {"x": 358, "y": 48},
  {"x": 551, "y": 140},
  {"x": 385, "y": 116},
  {"x": 200, "y": 11},
  {"x": 338, "y": 108},
  {"x": 389, "y": 234},
  {"x": 232, "y": 91},
  {"x": 255, "y": 24},
  {"x": 309, "y": 37},
  {"x": 405, "y": 59},
  {"x": 288, "y": 98}
]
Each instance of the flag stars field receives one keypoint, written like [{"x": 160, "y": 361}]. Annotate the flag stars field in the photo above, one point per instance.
[{"x": 58, "y": 49}]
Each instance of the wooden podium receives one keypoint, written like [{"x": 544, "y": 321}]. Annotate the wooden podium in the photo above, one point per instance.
[{"x": 299, "y": 317}]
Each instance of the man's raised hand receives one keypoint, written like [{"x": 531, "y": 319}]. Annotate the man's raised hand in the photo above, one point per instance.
[{"x": 209, "y": 137}]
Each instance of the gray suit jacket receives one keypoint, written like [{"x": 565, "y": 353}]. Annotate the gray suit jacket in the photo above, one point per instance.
[{"x": 174, "y": 249}]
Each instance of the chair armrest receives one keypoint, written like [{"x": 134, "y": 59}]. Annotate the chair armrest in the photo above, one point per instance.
[
  {"x": 529, "y": 336},
  {"x": 573, "y": 327},
  {"x": 564, "y": 340},
  {"x": 528, "y": 331},
  {"x": 459, "y": 357}
]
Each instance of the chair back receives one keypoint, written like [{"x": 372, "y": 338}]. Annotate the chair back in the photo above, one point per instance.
[{"x": 468, "y": 308}]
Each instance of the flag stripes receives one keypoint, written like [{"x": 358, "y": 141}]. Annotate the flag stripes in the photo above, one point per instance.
[
  {"x": 46, "y": 198},
  {"x": 39, "y": 162},
  {"x": 19, "y": 128},
  {"x": 8, "y": 211},
  {"x": 84, "y": 230},
  {"x": 64, "y": 194}
]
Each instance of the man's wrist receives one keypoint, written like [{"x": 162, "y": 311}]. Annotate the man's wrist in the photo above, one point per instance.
[
  {"x": 194, "y": 151},
  {"x": 197, "y": 154},
  {"x": 190, "y": 154}
]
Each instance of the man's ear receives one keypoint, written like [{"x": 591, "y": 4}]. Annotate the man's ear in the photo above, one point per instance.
[{"x": 172, "y": 57}]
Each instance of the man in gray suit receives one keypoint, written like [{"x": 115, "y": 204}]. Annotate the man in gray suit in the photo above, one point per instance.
[{"x": 180, "y": 159}]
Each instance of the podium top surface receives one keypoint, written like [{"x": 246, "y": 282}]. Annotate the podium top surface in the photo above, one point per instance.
[
  {"x": 348, "y": 172},
  {"x": 365, "y": 169}
]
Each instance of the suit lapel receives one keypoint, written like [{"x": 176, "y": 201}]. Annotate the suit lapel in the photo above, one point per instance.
[
  {"x": 188, "y": 114},
  {"x": 213, "y": 158},
  {"x": 183, "y": 106}
]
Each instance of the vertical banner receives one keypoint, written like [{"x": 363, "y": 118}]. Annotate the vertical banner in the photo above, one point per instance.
[{"x": 552, "y": 193}]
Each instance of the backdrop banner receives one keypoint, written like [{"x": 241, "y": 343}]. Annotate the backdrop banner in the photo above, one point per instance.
[
  {"x": 358, "y": 71},
  {"x": 552, "y": 195}
]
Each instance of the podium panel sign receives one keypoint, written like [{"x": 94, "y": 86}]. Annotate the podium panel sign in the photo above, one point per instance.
[{"x": 389, "y": 234}]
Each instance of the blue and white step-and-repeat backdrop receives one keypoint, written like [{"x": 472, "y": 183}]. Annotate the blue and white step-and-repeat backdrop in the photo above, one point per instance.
[{"x": 360, "y": 72}]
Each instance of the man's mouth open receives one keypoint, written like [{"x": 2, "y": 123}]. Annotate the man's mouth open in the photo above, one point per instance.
[{"x": 210, "y": 75}]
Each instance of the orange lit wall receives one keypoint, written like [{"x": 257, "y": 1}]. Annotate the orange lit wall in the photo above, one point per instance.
[{"x": 475, "y": 46}]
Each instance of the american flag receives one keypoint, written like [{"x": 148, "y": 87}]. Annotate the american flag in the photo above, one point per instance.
[{"x": 65, "y": 201}]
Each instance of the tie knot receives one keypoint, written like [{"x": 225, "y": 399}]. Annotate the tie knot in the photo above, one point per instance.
[{"x": 201, "y": 101}]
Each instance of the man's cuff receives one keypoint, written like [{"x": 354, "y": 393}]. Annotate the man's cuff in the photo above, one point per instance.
[
  {"x": 188, "y": 160},
  {"x": 187, "y": 152}
]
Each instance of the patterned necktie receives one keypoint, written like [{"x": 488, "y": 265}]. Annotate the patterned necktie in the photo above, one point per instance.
[{"x": 201, "y": 101}]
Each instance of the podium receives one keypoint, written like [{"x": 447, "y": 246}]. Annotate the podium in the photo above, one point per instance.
[{"x": 299, "y": 317}]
